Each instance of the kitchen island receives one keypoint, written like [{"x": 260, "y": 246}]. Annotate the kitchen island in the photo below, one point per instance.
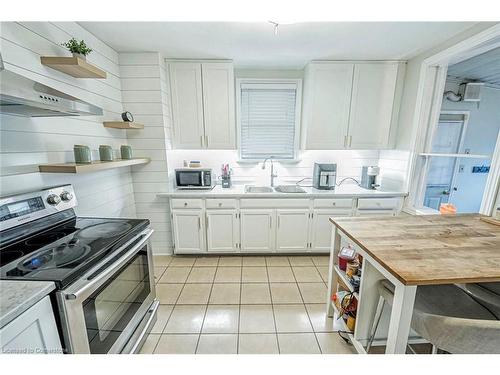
[{"x": 410, "y": 251}]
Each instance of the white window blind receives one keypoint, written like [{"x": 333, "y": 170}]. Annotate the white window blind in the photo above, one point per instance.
[{"x": 268, "y": 120}]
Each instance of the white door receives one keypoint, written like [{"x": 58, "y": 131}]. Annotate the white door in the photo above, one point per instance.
[
  {"x": 292, "y": 230},
  {"x": 257, "y": 230},
  {"x": 327, "y": 97},
  {"x": 321, "y": 228},
  {"x": 374, "y": 88},
  {"x": 218, "y": 105},
  {"x": 187, "y": 105},
  {"x": 188, "y": 231},
  {"x": 222, "y": 230},
  {"x": 33, "y": 332}
]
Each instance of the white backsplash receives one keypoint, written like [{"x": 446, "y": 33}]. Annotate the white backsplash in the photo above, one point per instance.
[{"x": 349, "y": 163}]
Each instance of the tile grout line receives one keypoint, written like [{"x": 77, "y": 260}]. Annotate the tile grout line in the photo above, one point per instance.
[
  {"x": 272, "y": 308},
  {"x": 307, "y": 312},
  {"x": 239, "y": 311}
]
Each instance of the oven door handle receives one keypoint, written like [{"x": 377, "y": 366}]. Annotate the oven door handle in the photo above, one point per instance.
[{"x": 91, "y": 283}]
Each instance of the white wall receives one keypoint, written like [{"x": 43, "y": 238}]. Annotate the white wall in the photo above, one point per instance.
[
  {"x": 349, "y": 164},
  {"x": 145, "y": 94},
  {"x": 28, "y": 142},
  {"x": 480, "y": 138}
]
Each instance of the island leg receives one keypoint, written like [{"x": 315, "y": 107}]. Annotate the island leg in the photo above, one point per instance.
[
  {"x": 401, "y": 313},
  {"x": 332, "y": 277}
]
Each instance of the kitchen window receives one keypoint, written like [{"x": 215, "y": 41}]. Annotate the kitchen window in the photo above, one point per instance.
[{"x": 268, "y": 118}]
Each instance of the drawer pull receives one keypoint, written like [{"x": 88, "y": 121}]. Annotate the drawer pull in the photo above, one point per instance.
[
  {"x": 334, "y": 204},
  {"x": 220, "y": 204},
  {"x": 185, "y": 204}
]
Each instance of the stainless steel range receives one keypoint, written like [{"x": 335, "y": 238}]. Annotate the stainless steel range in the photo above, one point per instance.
[{"x": 103, "y": 269}]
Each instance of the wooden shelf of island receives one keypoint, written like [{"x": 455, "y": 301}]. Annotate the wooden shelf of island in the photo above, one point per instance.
[
  {"x": 73, "y": 66},
  {"x": 91, "y": 167},
  {"x": 123, "y": 125}
]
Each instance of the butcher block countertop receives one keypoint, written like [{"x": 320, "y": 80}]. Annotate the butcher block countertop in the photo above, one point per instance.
[{"x": 430, "y": 249}]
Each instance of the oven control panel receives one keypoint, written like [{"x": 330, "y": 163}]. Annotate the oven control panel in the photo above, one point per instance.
[{"x": 19, "y": 209}]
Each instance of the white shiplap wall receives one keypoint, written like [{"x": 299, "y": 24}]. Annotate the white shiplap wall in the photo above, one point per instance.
[
  {"x": 28, "y": 142},
  {"x": 394, "y": 166},
  {"x": 145, "y": 94}
]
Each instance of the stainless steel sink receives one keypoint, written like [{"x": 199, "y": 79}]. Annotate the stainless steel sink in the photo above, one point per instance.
[
  {"x": 289, "y": 189},
  {"x": 258, "y": 189}
]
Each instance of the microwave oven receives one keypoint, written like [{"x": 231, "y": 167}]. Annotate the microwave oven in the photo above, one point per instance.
[{"x": 194, "y": 178}]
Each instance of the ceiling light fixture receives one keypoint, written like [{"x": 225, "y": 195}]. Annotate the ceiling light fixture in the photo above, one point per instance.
[{"x": 276, "y": 25}]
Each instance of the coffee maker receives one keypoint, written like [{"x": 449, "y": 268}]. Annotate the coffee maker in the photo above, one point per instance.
[
  {"x": 324, "y": 176},
  {"x": 369, "y": 177}
]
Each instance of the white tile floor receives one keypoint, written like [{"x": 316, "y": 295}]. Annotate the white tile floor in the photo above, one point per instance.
[{"x": 250, "y": 304}]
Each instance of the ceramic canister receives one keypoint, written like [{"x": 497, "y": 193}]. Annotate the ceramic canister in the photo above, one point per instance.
[
  {"x": 126, "y": 152},
  {"x": 105, "y": 153},
  {"x": 82, "y": 154}
]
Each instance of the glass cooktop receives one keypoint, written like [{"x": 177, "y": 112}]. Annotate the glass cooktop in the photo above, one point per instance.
[{"x": 66, "y": 251}]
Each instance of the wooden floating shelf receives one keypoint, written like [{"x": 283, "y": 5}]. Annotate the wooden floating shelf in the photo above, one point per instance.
[
  {"x": 92, "y": 167},
  {"x": 122, "y": 125},
  {"x": 73, "y": 66}
]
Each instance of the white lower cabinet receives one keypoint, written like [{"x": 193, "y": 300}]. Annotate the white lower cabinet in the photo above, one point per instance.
[
  {"x": 223, "y": 230},
  {"x": 189, "y": 231},
  {"x": 257, "y": 230},
  {"x": 265, "y": 225},
  {"x": 33, "y": 332},
  {"x": 321, "y": 228},
  {"x": 292, "y": 232}
]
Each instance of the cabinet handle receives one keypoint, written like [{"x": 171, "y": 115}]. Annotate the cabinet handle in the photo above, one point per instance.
[
  {"x": 350, "y": 140},
  {"x": 278, "y": 222},
  {"x": 199, "y": 223},
  {"x": 206, "y": 221},
  {"x": 271, "y": 222},
  {"x": 206, "y": 141},
  {"x": 345, "y": 140},
  {"x": 201, "y": 140}
]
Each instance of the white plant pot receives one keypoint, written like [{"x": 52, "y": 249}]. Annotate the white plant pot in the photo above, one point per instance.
[{"x": 81, "y": 56}]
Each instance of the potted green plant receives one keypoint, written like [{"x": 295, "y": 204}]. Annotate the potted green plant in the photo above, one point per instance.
[{"x": 77, "y": 48}]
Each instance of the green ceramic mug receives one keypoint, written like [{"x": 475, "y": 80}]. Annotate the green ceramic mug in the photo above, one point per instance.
[
  {"x": 126, "y": 152},
  {"x": 82, "y": 154},
  {"x": 105, "y": 153}
]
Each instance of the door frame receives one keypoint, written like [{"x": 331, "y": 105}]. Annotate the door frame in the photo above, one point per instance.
[{"x": 432, "y": 78}]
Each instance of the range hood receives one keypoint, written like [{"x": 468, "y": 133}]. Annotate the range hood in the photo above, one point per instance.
[{"x": 21, "y": 96}]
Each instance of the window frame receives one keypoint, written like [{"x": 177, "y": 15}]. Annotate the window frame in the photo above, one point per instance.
[{"x": 298, "y": 112}]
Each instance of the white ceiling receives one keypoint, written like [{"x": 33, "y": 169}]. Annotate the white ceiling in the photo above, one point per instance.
[
  {"x": 483, "y": 68},
  {"x": 255, "y": 45}
]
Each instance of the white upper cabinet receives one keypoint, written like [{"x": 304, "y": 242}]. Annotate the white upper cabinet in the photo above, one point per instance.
[
  {"x": 187, "y": 105},
  {"x": 351, "y": 105},
  {"x": 218, "y": 105},
  {"x": 372, "y": 104},
  {"x": 203, "y": 105},
  {"x": 327, "y": 97}
]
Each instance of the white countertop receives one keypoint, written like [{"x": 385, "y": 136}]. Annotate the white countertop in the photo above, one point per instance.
[
  {"x": 17, "y": 296},
  {"x": 238, "y": 191}
]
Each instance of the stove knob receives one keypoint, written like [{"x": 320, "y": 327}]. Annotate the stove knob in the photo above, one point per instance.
[
  {"x": 66, "y": 196},
  {"x": 53, "y": 199}
]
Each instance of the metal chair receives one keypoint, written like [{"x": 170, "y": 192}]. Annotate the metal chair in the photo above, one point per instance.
[{"x": 448, "y": 317}]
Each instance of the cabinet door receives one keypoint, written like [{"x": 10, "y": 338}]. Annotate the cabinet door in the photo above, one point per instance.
[
  {"x": 327, "y": 96},
  {"x": 218, "y": 105},
  {"x": 187, "y": 105},
  {"x": 321, "y": 228},
  {"x": 189, "y": 231},
  {"x": 33, "y": 332},
  {"x": 376, "y": 213},
  {"x": 257, "y": 230},
  {"x": 372, "y": 104},
  {"x": 292, "y": 230},
  {"x": 222, "y": 230}
]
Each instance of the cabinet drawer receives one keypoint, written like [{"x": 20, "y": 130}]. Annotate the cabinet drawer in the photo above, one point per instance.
[
  {"x": 221, "y": 203},
  {"x": 378, "y": 203},
  {"x": 333, "y": 203},
  {"x": 274, "y": 203},
  {"x": 187, "y": 203}
]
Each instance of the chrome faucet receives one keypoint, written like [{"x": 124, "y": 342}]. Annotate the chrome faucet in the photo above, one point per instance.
[{"x": 270, "y": 158}]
